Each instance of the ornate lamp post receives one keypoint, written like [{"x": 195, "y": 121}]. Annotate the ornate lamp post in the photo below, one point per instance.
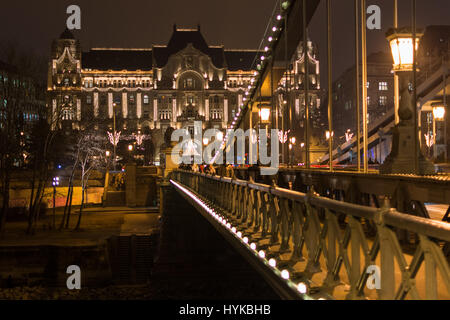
[
  {"x": 438, "y": 116},
  {"x": 402, "y": 158},
  {"x": 55, "y": 183},
  {"x": 115, "y": 142},
  {"x": 265, "y": 114},
  {"x": 438, "y": 113}
]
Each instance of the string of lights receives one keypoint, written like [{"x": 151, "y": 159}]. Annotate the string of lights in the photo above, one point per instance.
[{"x": 259, "y": 64}]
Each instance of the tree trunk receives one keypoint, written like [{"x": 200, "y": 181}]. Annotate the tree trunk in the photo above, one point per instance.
[
  {"x": 69, "y": 209},
  {"x": 81, "y": 208},
  {"x": 5, "y": 206},
  {"x": 69, "y": 188},
  {"x": 37, "y": 200}
]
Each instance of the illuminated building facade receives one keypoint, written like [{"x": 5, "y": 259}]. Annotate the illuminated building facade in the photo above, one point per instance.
[{"x": 148, "y": 89}]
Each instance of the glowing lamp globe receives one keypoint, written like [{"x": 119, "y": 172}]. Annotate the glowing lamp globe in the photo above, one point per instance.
[
  {"x": 401, "y": 43},
  {"x": 265, "y": 114},
  {"x": 439, "y": 113}
]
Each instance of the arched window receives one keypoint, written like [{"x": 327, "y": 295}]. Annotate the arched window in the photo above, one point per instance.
[
  {"x": 164, "y": 114},
  {"x": 190, "y": 81},
  {"x": 67, "y": 114}
]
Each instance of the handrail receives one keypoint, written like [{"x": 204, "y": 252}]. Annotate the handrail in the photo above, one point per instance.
[
  {"x": 432, "y": 228},
  {"x": 322, "y": 231}
]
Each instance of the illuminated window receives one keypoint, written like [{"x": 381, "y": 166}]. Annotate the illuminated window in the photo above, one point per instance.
[
  {"x": 189, "y": 83},
  {"x": 216, "y": 114},
  {"x": 67, "y": 114},
  {"x": 88, "y": 99},
  {"x": 382, "y": 100},
  {"x": 164, "y": 114},
  {"x": 131, "y": 99},
  {"x": 146, "y": 100},
  {"x": 382, "y": 86},
  {"x": 348, "y": 105}
]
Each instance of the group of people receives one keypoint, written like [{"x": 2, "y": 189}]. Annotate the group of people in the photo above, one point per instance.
[{"x": 221, "y": 170}]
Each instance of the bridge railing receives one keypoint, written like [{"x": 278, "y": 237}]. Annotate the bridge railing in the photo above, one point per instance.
[{"x": 346, "y": 243}]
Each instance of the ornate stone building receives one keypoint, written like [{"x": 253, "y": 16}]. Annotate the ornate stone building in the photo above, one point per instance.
[
  {"x": 292, "y": 96},
  {"x": 147, "y": 90}
]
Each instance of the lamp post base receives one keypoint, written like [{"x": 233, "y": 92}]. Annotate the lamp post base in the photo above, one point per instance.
[{"x": 402, "y": 157}]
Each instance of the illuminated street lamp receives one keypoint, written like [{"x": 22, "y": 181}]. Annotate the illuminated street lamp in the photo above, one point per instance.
[
  {"x": 205, "y": 141},
  {"x": 438, "y": 116},
  {"x": 115, "y": 135},
  {"x": 400, "y": 41},
  {"x": 439, "y": 113},
  {"x": 130, "y": 147},
  {"x": 405, "y": 156},
  {"x": 55, "y": 183},
  {"x": 264, "y": 114}
]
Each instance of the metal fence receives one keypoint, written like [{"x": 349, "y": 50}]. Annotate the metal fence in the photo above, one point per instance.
[{"x": 334, "y": 246}]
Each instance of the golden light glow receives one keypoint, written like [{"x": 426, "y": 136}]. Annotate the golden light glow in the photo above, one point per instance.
[
  {"x": 219, "y": 136},
  {"x": 438, "y": 113},
  {"x": 130, "y": 147},
  {"x": 265, "y": 114},
  {"x": 401, "y": 44},
  {"x": 205, "y": 141},
  {"x": 107, "y": 153}
]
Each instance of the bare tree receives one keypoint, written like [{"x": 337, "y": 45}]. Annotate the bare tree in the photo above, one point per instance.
[
  {"x": 45, "y": 153},
  {"x": 91, "y": 152},
  {"x": 22, "y": 85},
  {"x": 11, "y": 106}
]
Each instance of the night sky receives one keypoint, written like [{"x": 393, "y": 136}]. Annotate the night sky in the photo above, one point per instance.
[{"x": 234, "y": 23}]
